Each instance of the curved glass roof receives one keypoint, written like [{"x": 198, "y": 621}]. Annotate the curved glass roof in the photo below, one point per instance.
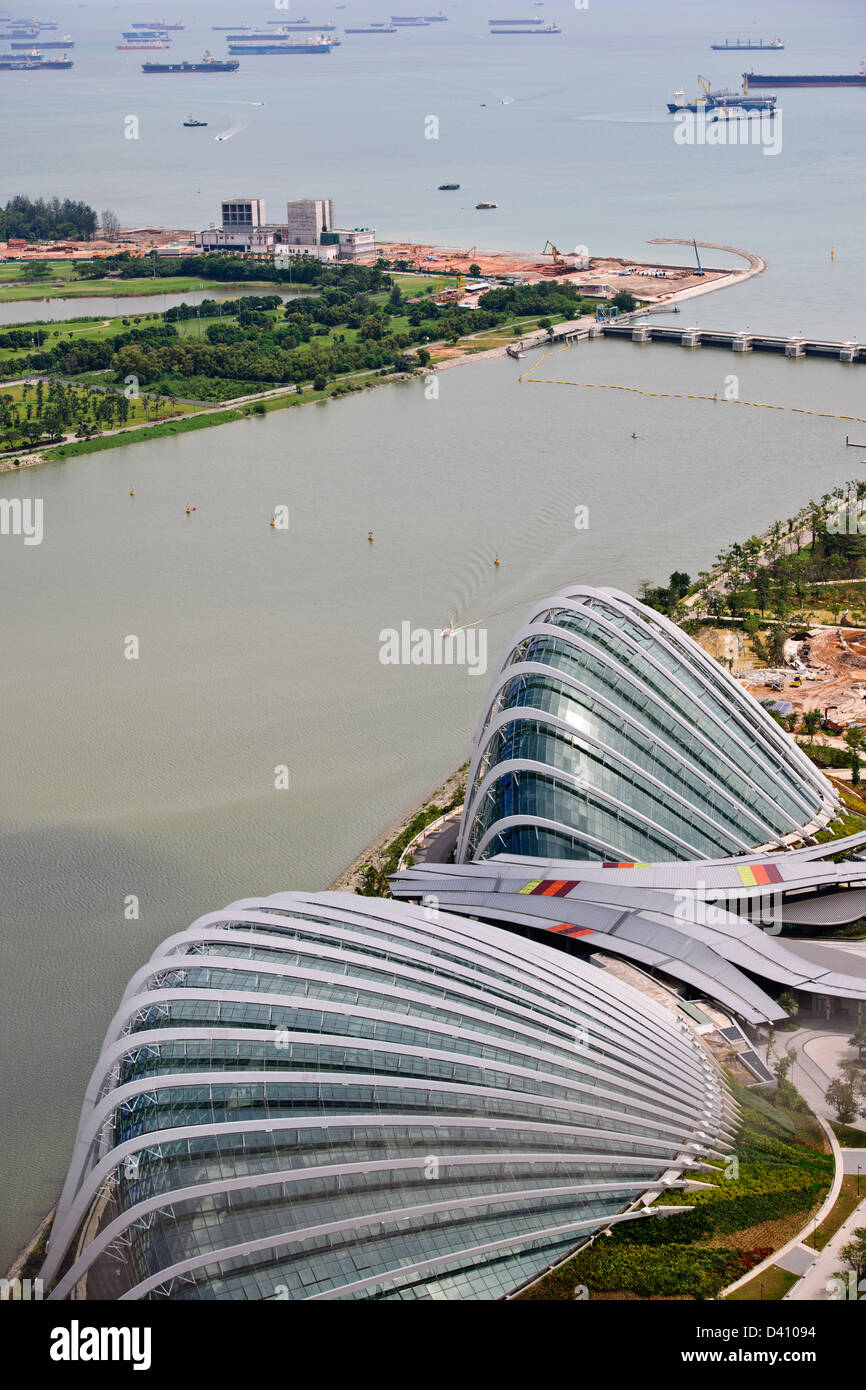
[
  {"x": 326, "y": 1096},
  {"x": 611, "y": 734}
]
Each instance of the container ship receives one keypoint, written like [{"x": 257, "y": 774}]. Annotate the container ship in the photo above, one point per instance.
[
  {"x": 806, "y": 79},
  {"x": 745, "y": 45},
  {"x": 207, "y": 64},
  {"x": 292, "y": 46},
  {"x": 535, "y": 29}
]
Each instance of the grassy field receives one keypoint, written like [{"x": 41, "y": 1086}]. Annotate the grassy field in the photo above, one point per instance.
[
  {"x": 417, "y": 284},
  {"x": 768, "y": 1287},
  {"x": 842, "y": 1208},
  {"x": 138, "y": 408},
  {"x": 49, "y": 334}
]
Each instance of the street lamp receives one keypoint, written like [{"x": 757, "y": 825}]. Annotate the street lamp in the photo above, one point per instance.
[{"x": 858, "y": 1179}]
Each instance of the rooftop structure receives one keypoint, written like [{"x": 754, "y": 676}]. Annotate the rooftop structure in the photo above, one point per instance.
[
  {"x": 609, "y": 734},
  {"x": 322, "y": 1096}
]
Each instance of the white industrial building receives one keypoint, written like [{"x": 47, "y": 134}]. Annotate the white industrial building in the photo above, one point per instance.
[{"x": 307, "y": 231}]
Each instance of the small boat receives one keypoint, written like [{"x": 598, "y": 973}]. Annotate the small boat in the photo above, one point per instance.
[
  {"x": 448, "y": 187},
  {"x": 193, "y": 124},
  {"x": 479, "y": 206}
]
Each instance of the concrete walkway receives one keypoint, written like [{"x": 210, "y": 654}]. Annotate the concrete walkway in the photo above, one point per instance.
[{"x": 814, "y": 1283}]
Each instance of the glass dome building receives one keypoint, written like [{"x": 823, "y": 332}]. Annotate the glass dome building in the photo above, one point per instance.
[
  {"x": 325, "y": 1096},
  {"x": 609, "y": 734}
]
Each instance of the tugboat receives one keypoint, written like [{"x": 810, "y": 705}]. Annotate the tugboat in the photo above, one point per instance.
[
  {"x": 193, "y": 124},
  {"x": 479, "y": 206}
]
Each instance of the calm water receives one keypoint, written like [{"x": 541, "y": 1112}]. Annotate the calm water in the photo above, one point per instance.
[
  {"x": 155, "y": 777},
  {"x": 582, "y": 153},
  {"x": 109, "y": 307}
]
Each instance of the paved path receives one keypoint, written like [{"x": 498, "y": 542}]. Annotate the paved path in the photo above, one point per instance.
[{"x": 814, "y": 1284}]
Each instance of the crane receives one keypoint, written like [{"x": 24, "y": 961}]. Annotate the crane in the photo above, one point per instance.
[
  {"x": 706, "y": 87},
  {"x": 700, "y": 269}
]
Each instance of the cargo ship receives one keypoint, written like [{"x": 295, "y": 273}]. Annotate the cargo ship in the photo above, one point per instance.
[
  {"x": 301, "y": 26},
  {"x": 374, "y": 29},
  {"x": 448, "y": 187},
  {"x": 410, "y": 21},
  {"x": 536, "y": 19},
  {"x": 535, "y": 29},
  {"x": 32, "y": 62},
  {"x": 138, "y": 34},
  {"x": 276, "y": 35},
  {"x": 207, "y": 64},
  {"x": 155, "y": 24},
  {"x": 148, "y": 44},
  {"x": 806, "y": 79},
  {"x": 720, "y": 100},
  {"x": 745, "y": 45},
  {"x": 291, "y": 49},
  {"x": 65, "y": 42}
]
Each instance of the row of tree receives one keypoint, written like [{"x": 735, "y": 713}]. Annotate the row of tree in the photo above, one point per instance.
[{"x": 46, "y": 219}]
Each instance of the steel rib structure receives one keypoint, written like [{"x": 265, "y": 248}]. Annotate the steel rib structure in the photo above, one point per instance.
[
  {"x": 326, "y": 1096},
  {"x": 610, "y": 734}
]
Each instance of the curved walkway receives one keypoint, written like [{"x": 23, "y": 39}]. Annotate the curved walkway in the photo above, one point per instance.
[{"x": 813, "y": 1223}]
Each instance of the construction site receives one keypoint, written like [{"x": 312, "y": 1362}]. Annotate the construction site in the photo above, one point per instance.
[
  {"x": 600, "y": 276},
  {"x": 827, "y": 672}
]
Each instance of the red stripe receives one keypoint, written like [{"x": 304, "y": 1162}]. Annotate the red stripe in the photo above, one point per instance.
[
  {"x": 568, "y": 930},
  {"x": 773, "y": 874},
  {"x": 566, "y": 888}
]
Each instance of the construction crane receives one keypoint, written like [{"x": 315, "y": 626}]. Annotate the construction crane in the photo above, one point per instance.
[
  {"x": 700, "y": 269},
  {"x": 706, "y": 87}
]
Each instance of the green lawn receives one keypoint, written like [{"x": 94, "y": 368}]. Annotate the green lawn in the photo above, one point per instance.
[
  {"x": 412, "y": 284},
  {"x": 842, "y": 1208},
  {"x": 768, "y": 1287}
]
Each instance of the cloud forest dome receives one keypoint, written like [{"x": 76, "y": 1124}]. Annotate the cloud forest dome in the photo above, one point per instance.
[
  {"x": 610, "y": 734},
  {"x": 326, "y": 1096}
]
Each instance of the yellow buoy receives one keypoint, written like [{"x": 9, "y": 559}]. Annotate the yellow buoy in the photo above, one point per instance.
[
  {"x": 132, "y": 492},
  {"x": 496, "y": 560},
  {"x": 370, "y": 537}
]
